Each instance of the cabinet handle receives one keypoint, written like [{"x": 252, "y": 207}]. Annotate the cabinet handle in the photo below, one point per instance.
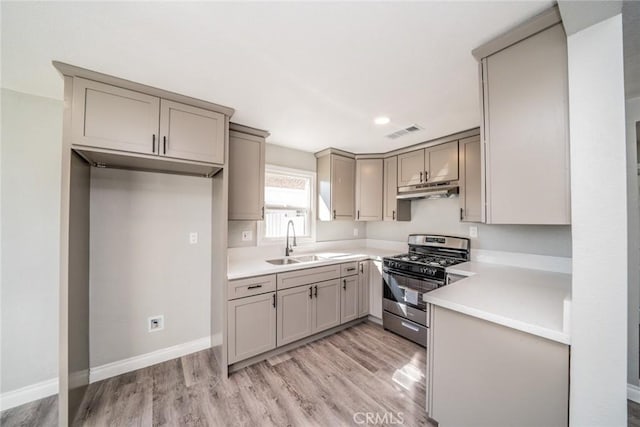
[
  {"x": 358, "y": 214},
  {"x": 351, "y": 269},
  {"x": 394, "y": 215},
  {"x": 263, "y": 212},
  {"x": 153, "y": 143},
  {"x": 274, "y": 301},
  {"x": 420, "y": 176},
  {"x": 254, "y": 286},
  {"x": 310, "y": 292},
  {"x": 315, "y": 291},
  {"x": 426, "y": 176},
  {"x": 164, "y": 142},
  {"x": 361, "y": 268},
  {"x": 334, "y": 214},
  {"x": 461, "y": 217},
  {"x": 344, "y": 284}
]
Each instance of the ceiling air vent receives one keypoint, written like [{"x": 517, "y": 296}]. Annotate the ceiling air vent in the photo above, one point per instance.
[{"x": 403, "y": 132}]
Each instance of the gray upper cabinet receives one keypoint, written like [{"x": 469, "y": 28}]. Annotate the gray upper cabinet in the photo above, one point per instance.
[
  {"x": 251, "y": 323},
  {"x": 369, "y": 186},
  {"x": 525, "y": 130},
  {"x": 246, "y": 175},
  {"x": 393, "y": 209},
  {"x": 429, "y": 165},
  {"x": 113, "y": 118},
  {"x": 110, "y": 117},
  {"x": 411, "y": 168},
  {"x": 349, "y": 300},
  {"x": 441, "y": 163},
  {"x": 336, "y": 187},
  {"x": 294, "y": 314},
  {"x": 191, "y": 133},
  {"x": 326, "y": 305},
  {"x": 470, "y": 180}
]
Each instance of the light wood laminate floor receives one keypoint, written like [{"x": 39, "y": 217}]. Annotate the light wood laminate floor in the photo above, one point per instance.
[{"x": 361, "y": 370}]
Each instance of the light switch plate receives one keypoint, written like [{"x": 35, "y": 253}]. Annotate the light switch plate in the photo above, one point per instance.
[
  {"x": 193, "y": 238},
  {"x": 155, "y": 323},
  {"x": 247, "y": 235},
  {"x": 473, "y": 231}
]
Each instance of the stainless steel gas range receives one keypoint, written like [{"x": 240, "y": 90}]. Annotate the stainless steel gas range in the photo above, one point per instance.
[{"x": 407, "y": 277}]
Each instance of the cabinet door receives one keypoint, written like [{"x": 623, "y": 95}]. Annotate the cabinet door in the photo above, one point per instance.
[
  {"x": 470, "y": 180},
  {"x": 109, "y": 117},
  {"x": 349, "y": 299},
  {"x": 294, "y": 312},
  {"x": 326, "y": 305},
  {"x": 191, "y": 133},
  {"x": 369, "y": 189},
  {"x": 363, "y": 289},
  {"x": 246, "y": 176},
  {"x": 526, "y": 131},
  {"x": 411, "y": 168},
  {"x": 441, "y": 162},
  {"x": 342, "y": 187},
  {"x": 251, "y": 326},
  {"x": 393, "y": 209},
  {"x": 375, "y": 289}
]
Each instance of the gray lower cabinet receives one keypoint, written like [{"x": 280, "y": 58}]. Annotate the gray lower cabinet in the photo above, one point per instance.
[
  {"x": 363, "y": 288},
  {"x": 295, "y": 314},
  {"x": 471, "y": 208},
  {"x": 529, "y": 375},
  {"x": 251, "y": 324},
  {"x": 326, "y": 305},
  {"x": 349, "y": 299}
]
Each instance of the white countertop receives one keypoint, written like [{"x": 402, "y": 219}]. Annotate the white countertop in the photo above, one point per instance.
[
  {"x": 247, "y": 267},
  {"x": 533, "y": 301}
]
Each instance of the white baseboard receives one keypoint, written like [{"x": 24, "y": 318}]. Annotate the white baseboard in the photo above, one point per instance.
[
  {"x": 27, "y": 394},
  {"x": 43, "y": 389},
  {"x": 633, "y": 393},
  {"x": 113, "y": 369}
]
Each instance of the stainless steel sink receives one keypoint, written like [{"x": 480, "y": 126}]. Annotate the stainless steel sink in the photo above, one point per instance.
[
  {"x": 283, "y": 261},
  {"x": 308, "y": 258}
]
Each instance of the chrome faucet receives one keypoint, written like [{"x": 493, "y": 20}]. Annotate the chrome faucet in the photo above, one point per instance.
[{"x": 288, "y": 249}]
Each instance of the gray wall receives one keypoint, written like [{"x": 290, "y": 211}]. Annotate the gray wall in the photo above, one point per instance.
[
  {"x": 142, "y": 263},
  {"x": 325, "y": 231},
  {"x": 442, "y": 216},
  {"x": 30, "y": 212}
]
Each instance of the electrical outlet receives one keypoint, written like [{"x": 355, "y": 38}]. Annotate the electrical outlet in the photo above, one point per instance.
[
  {"x": 156, "y": 323},
  {"x": 193, "y": 238},
  {"x": 355, "y": 232},
  {"x": 247, "y": 235},
  {"x": 473, "y": 231}
]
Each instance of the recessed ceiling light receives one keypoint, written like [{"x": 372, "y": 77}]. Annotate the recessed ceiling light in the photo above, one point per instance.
[{"x": 382, "y": 120}]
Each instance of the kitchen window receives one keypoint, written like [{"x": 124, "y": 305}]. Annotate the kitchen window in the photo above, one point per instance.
[{"x": 288, "y": 195}]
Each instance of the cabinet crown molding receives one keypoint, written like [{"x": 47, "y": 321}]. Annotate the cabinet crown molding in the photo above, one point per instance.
[{"x": 248, "y": 130}]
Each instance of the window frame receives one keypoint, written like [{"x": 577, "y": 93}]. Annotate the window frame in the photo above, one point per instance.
[{"x": 261, "y": 229}]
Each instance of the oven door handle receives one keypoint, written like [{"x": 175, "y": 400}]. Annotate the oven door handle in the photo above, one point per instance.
[{"x": 411, "y": 276}]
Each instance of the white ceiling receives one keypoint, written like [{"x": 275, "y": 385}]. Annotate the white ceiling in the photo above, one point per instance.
[{"x": 313, "y": 74}]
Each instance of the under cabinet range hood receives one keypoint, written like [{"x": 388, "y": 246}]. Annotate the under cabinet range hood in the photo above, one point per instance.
[{"x": 428, "y": 191}]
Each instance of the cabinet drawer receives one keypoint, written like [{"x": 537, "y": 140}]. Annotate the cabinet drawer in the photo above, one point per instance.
[
  {"x": 349, "y": 269},
  {"x": 310, "y": 275},
  {"x": 251, "y": 286}
]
